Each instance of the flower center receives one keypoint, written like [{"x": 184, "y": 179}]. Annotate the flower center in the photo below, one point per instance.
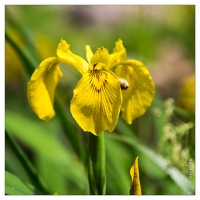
[{"x": 98, "y": 79}]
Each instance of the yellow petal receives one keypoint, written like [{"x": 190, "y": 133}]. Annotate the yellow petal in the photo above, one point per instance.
[
  {"x": 135, "y": 179},
  {"x": 186, "y": 98},
  {"x": 141, "y": 89},
  {"x": 66, "y": 56},
  {"x": 119, "y": 54},
  {"x": 41, "y": 88},
  {"x": 100, "y": 56},
  {"x": 97, "y": 101},
  {"x": 119, "y": 47},
  {"x": 89, "y": 53}
]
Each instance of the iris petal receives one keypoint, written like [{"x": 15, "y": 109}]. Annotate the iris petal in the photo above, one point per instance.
[
  {"x": 100, "y": 56},
  {"x": 119, "y": 54},
  {"x": 89, "y": 53},
  {"x": 67, "y": 57},
  {"x": 135, "y": 179},
  {"x": 119, "y": 48},
  {"x": 97, "y": 100},
  {"x": 141, "y": 89},
  {"x": 41, "y": 88}
]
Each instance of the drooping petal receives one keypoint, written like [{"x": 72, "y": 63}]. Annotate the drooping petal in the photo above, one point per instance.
[
  {"x": 97, "y": 101},
  {"x": 41, "y": 88},
  {"x": 141, "y": 89},
  {"x": 135, "y": 179},
  {"x": 66, "y": 56}
]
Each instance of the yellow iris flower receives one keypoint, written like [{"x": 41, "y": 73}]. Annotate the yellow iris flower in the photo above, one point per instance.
[{"x": 98, "y": 96}]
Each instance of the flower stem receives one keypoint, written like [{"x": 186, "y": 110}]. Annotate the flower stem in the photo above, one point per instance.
[{"x": 97, "y": 164}]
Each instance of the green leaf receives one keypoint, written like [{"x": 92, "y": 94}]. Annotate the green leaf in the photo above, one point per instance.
[
  {"x": 54, "y": 157},
  {"x": 16, "y": 186},
  {"x": 39, "y": 136},
  {"x": 118, "y": 162},
  {"x": 24, "y": 161}
]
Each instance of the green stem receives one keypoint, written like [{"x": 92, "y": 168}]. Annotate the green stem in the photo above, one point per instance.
[
  {"x": 25, "y": 162},
  {"x": 97, "y": 164}
]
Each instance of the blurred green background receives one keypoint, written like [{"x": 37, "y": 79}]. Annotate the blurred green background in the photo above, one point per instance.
[{"x": 163, "y": 38}]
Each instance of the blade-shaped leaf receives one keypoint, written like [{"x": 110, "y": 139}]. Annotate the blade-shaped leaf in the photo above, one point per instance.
[
  {"x": 44, "y": 140},
  {"x": 16, "y": 186}
]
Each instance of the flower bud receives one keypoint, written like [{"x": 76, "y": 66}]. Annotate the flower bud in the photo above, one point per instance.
[{"x": 123, "y": 83}]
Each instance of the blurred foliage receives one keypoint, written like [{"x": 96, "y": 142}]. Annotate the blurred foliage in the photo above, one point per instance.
[{"x": 163, "y": 38}]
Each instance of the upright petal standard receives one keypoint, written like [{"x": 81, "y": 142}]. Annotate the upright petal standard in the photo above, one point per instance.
[{"x": 98, "y": 97}]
